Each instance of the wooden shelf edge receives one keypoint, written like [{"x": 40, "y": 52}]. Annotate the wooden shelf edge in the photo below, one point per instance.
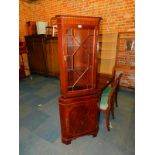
[{"x": 125, "y": 69}]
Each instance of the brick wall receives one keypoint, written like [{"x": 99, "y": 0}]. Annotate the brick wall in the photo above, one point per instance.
[
  {"x": 25, "y": 15},
  {"x": 118, "y": 15},
  {"x": 126, "y": 58},
  {"x": 128, "y": 80}
]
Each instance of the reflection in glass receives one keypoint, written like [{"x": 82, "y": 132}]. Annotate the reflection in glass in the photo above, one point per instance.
[{"x": 80, "y": 45}]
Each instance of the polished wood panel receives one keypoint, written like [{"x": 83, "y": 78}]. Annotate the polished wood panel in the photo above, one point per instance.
[
  {"x": 77, "y": 40},
  {"x": 43, "y": 54},
  {"x": 78, "y": 34},
  {"x": 79, "y": 117},
  {"x": 51, "y": 48}
]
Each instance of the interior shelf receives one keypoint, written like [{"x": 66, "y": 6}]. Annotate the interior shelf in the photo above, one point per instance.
[
  {"x": 102, "y": 59},
  {"x": 106, "y": 55}
]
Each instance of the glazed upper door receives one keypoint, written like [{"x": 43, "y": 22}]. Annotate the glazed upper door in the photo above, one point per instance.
[
  {"x": 79, "y": 56},
  {"x": 77, "y": 39}
]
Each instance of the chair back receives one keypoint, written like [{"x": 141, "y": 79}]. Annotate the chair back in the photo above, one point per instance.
[
  {"x": 113, "y": 91},
  {"x": 118, "y": 80},
  {"x": 111, "y": 98}
]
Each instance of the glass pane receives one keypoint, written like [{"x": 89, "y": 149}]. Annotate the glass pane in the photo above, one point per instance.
[{"x": 80, "y": 58}]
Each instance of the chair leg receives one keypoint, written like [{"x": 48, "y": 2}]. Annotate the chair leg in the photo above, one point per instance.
[
  {"x": 116, "y": 99},
  {"x": 112, "y": 111},
  {"x": 107, "y": 120}
]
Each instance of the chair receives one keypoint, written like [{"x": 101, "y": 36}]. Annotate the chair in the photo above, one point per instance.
[
  {"x": 107, "y": 100},
  {"x": 107, "y": 90},
  {"x": 109, "y": 87}
]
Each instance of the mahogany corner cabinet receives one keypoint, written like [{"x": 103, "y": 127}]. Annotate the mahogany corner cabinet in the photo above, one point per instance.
[{"x": 77, "y": 42}]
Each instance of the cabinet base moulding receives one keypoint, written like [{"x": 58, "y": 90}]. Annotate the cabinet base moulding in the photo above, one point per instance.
[{"x": 67, "y": 141}]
